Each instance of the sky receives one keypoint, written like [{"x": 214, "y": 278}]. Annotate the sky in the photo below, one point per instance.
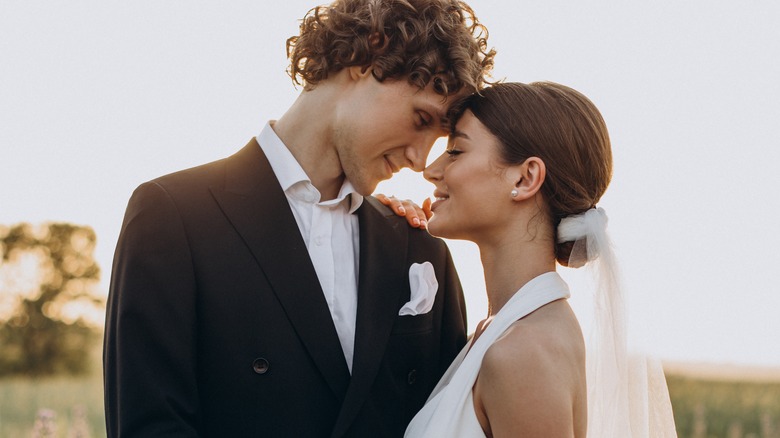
[{"x": 97, "y": 97}]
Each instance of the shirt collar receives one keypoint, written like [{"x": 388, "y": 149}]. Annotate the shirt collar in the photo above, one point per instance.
[{"x": 293, "y": 178}]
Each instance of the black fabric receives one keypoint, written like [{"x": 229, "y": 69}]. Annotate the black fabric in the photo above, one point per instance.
[{"x": 217, "y": 325}]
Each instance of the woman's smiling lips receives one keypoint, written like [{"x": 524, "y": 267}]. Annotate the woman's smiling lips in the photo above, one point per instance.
[{"x": 439, "y": 197}]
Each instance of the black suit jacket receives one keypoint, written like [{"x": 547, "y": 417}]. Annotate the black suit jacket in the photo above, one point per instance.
[{"x": 217, "y": 325}]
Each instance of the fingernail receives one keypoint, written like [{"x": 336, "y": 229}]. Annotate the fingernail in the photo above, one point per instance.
[
  {"x": 402, "y": 210},
  {"x": 424, "y": 224},
  {"x": 416, "y": 221}
]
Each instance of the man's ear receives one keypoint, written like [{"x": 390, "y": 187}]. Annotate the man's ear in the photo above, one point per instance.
[
  {"x": 357, "y": 72},
  {"x": 528, "y": 178}
]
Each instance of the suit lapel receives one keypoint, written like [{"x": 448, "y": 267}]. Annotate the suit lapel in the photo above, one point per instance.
[
  {"x": 258, "y": 209},
  {"x": 382, "y": 278}
]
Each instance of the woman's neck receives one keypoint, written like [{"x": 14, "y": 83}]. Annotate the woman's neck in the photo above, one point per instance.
[{"x": 512, "y": 263}]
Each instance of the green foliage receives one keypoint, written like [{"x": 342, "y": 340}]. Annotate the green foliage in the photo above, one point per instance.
[
  {"x": 44, "y": 332},
  {"x": 712, "y": 408}
]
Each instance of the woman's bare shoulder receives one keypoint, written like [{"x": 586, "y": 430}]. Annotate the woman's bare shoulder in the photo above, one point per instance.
[
  {"x": 546, "y": 337},
  {"x": 533, "y": 375},
  {"x": 535, "y": 360}
]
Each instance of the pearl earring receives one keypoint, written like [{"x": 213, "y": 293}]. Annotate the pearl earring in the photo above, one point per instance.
[{"x": 514, "y": 193}]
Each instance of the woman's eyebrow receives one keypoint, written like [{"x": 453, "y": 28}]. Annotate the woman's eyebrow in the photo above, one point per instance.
[{"x": 459, "y": 134}]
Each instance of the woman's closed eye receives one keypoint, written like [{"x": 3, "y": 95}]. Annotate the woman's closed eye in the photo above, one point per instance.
[{"x": 452, "y": 152}]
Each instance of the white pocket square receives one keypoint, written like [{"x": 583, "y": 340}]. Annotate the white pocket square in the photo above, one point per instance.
[{"x": 422, "y": 281}]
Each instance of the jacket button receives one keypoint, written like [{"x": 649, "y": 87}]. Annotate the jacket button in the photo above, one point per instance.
[
  {"x": 260, "y": 365},
  {"x": 411, "y": 377}
]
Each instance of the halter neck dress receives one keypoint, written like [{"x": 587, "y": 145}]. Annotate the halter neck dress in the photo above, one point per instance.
[{"x": 449, "y": 411}]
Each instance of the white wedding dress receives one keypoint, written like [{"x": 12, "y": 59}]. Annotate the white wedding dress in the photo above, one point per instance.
[
  {"x": 640, "y": 410},
  {"x": 449, "y": 411}
]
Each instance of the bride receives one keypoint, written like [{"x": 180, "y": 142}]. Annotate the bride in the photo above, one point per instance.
[{"x": 524, "y": 169}]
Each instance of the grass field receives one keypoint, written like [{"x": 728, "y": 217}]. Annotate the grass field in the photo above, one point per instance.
[
  {"x": 76, "y": 401},
  {"x": 727, "y": 403},
  {"x": 704, "y": 407}
]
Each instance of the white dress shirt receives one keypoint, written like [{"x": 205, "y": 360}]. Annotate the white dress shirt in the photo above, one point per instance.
[{"x": 330, "y": 231}]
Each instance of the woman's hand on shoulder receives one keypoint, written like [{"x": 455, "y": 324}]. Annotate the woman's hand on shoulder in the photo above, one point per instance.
[{"x": 416, "y": 216}]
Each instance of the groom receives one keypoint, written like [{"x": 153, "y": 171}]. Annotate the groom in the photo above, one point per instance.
[{"x": 266, "y": 294}]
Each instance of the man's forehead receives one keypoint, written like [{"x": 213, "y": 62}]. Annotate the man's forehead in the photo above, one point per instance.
[
  {"x": 439, "y": 105},
  {"x": 436, "y": 105}
]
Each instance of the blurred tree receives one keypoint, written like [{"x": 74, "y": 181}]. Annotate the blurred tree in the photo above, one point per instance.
[{"x": 43, "y": 329}]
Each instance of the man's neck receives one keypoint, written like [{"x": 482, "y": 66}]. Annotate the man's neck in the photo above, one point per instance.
[{"x": 305, "y": 131}]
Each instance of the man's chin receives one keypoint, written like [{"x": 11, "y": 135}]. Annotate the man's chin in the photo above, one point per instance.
[{"x": 366, "y": 188}]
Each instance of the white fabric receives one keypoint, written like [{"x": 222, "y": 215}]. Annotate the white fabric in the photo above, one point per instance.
[
  {"x": 627, "y": 397},
  {"x": 449, "y": 411},
  {"x": 592, "y": 223},
  {"x": 423, "y": 284},
  {"x": 330, "y": 232},
  {"x": 651, "y": 413}
]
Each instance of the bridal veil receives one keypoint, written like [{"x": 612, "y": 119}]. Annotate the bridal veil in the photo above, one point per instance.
[{"x": 627, "y": 395}]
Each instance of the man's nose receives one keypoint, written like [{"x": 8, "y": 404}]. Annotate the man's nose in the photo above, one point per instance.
[
  {"x": 433, "y": 172},
  {"x": 417, "y": 153}
]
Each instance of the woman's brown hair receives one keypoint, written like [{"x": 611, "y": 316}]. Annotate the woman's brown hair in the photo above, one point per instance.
[
  {"x": 420, "y": 40},
  {"x": 563, "y": 128}
]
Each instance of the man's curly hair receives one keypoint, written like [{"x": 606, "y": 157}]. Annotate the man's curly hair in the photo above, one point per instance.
[{"x": 421, "y": 40}]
